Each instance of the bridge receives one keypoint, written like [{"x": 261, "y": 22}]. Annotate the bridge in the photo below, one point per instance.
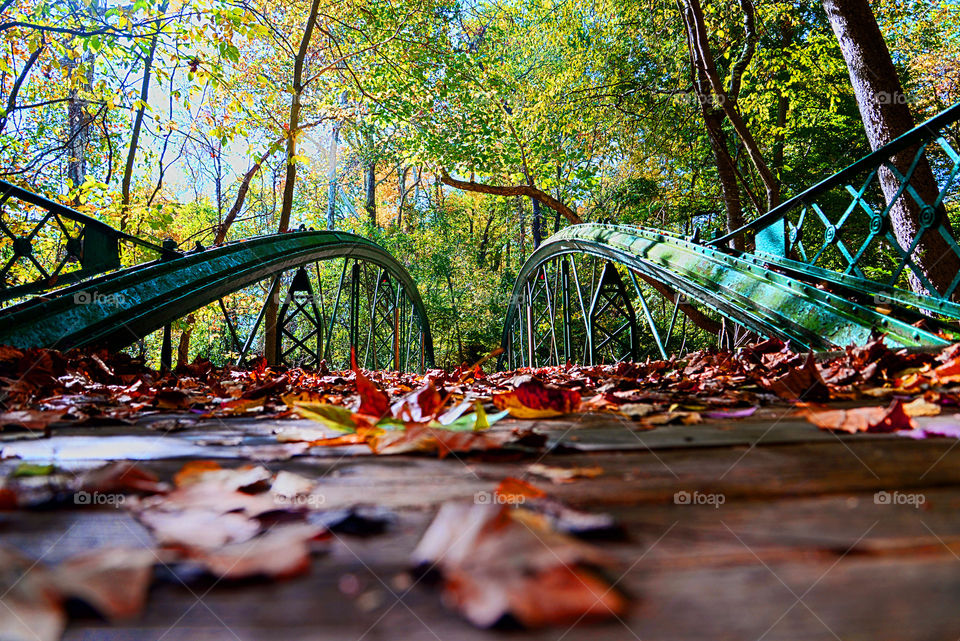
[{"x": 824, "y": 270}]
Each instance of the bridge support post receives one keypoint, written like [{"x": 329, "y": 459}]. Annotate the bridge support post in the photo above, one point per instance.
[
  {"x": 565, "y": 289},
  {"x": 166, "y": 348},
  {"x": 355, "y": 307}
]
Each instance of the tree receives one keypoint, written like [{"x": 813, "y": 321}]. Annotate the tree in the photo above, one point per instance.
[{"x": 885, "y": 114}]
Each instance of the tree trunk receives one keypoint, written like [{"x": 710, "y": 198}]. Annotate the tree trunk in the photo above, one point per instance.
[
  {"x": 886, "y": 116},
  {"x": 293, "y": 129},
  {"x": 700, "y": 52},
  {"x": 713, "y": 122},
  {"x": 370, "y": 188},
  {"x": 183, "y": 348},
  {"x": 78, "y": 132},
  {"x": 138, "y": 123},
  {"x": 536, "y": 223},
  {"x": 484, "y": 241},
  {"x": 332, "y": 176}
]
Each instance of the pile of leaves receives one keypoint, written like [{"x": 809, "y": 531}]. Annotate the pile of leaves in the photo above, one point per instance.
[{"x": 442, "y": 411}]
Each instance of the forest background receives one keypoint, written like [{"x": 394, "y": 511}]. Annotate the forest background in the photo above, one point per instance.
[{"x": 457, "y": 134}]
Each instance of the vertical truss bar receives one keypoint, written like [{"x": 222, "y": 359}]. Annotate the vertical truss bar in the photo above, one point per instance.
[
  {"x": 531, "y": 362},
  {"x": 336, "y": 306},
  {"x": 355, "y": 306},
  {"x": 256, "y": 325},
  {"x": 235, "y": 340},
  {"x": 673, "y": 321},
  {"x": 646, "y": 312},
  {"x": 565, "y": 289}
]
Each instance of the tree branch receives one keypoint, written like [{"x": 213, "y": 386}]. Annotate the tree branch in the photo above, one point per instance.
[{"x": 514, "y": 190}]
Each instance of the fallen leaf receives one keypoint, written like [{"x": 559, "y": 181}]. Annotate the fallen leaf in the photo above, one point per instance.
[
  {"x": 921, "y": 407},
  {"x": 802, "y": 383},
  {"x": 30, "y": 419},
  {"x": 31, "y": 608},
  {"x": 495, "y": 564},
  {"x": 373, "y": 401},
  {"x": 332, "y": 416},
  {"x": 531, "y": 398},
  {"x": 282, "y": 552},
  {"x": 564, "y": 474},
  {"x": 114, "y": 580},
  {"x": 862, "y": 419},
  {"x": 198, "y": 528}
]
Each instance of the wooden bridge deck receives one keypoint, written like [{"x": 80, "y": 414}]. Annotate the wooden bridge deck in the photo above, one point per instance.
[{"x": 799, "y": 548}]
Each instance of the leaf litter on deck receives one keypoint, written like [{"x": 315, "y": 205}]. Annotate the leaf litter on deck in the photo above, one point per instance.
[{"x": 523, "y": 560}]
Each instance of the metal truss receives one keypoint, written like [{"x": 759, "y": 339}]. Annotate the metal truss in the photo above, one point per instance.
[
  {"x": 44, "y": 244},
  {"x": 375, "y": 308}
]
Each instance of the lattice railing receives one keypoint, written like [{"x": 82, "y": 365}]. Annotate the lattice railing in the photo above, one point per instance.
[{"x": 889, "y": 219}]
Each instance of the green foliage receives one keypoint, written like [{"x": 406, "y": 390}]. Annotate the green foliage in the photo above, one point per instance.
[{"x": 591, "y": 102}]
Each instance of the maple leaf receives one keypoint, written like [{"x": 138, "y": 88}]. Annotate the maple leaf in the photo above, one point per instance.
[
  {"x": 373, "y": 401},
  {"x": 498, "y": 562},
  {"x": 531, "y": 398},
  {"x": 800, "y": 383}
]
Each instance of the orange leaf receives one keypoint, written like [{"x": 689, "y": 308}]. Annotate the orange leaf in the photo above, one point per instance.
[
  {"x": 193, "y": 470},
  {"x": 511, "y": 488},
  {"x": 863, "y": 419}
]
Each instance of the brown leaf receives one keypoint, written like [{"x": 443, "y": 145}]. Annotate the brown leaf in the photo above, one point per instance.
[
  {"x": 564, "y": 474},
  {"x": 373, "y": 401},
  {"x": 122, "y": 476},
  {"x": 802, "y": 383},
  {"x": 114, "y": 581},
  {"x": 31, "y": 609},
  {"x": 31, "y": 419},
  {"x": 282, "y": 552},
  {"x": 497, "y": 562}
]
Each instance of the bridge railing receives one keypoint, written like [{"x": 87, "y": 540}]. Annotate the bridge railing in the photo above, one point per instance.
[
  {"x": 852, "y": 223},
  {"x": 44, "y": 244}
]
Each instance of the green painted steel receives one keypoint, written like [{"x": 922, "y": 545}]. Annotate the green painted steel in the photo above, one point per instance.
[
  {"x": 842, "y": 225},
  {"x": 825, "y": 271},
  {"x": 116, "y": 310},
  {"x": 92, "y": 245},
  {"x": 742, "y": 288}
]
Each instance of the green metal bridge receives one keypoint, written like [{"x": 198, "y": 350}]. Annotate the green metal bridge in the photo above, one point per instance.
[{"x": 838, "y": 264}]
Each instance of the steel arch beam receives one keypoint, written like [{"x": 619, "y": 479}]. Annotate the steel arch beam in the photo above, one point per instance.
[
  {"x": 135, "y": 302},
  {"x": 739, "y": 287}
]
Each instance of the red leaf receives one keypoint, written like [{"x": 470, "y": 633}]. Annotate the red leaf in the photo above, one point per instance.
[
  {"x": 531, "y": 398},
  {"x": 373, "y": 401}
]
